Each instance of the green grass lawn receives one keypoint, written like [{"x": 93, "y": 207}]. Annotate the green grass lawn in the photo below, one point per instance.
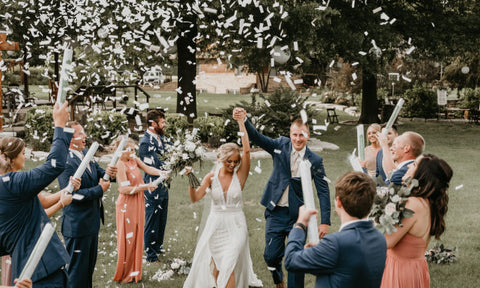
[{"x": 455, "y": 142}]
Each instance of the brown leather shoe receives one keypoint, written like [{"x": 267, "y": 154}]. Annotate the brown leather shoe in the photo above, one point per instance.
[{"x": 280, "y": 285}]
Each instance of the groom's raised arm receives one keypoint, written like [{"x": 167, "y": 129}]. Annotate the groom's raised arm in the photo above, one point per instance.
[{"x": 266, "y": 143}]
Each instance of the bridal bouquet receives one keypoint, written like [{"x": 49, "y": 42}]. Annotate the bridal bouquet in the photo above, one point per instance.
[
  {"x": 185, "y": 150},
  {"x": 389, "y": 206}
]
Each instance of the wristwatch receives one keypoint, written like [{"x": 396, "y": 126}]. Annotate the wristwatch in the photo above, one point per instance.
[{"x": 300, "y": 225}]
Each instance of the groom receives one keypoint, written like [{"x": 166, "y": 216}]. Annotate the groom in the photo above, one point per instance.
[{"x": 283, "y": 196}]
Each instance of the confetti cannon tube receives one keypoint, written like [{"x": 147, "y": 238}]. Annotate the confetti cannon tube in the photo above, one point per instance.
[
  {"x": 63, "y": 83},
  {"x": 308, "y": 200},
  {"x": 37, "y": 251},
  {"x": 361, "y": 142},
  {"x": 83, "y": 165},
  {"x": 394, "y": 116},
  {"x": 116, "y": 156}
]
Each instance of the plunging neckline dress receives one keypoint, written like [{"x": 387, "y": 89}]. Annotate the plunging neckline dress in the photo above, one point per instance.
[{"x": 224, "y": 241}]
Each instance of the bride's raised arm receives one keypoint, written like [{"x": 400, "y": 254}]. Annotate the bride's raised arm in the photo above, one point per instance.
[{"x": 245, "y": 164}]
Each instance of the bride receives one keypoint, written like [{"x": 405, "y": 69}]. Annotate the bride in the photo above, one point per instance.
[{"x": 222, "y": 256}]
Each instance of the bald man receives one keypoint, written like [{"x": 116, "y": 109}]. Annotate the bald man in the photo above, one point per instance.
[{"x": 405, "y": 149}]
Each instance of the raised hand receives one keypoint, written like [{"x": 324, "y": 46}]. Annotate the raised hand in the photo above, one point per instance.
[
  {"x": 239, "y": 114},
  {"x": 60, "y": 114}
]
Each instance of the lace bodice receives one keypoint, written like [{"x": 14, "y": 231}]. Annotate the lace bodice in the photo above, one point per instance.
[{"x": 233, "y": 195}]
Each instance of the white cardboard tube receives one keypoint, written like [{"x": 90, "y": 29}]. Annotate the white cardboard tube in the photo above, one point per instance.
[
  {"x": 394, "y": 116},
  {"x": 37, "y": 251},
  {"x": 88, "y": 157},
  {"x": 308, "y": 199},
  {"x": 361, "y": 142},
  {"x": 63, "y": 82},
  {"x": 116, "y": 156}
]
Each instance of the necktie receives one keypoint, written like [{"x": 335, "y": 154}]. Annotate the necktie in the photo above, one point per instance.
[{"x": 295, "y": 163}]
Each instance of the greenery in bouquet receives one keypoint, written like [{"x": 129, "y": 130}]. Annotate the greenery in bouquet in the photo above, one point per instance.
[
  {"x": 440, "y": 254},
  {"x": 187, "y": 149},
  {"x": 389, "y": 206}
]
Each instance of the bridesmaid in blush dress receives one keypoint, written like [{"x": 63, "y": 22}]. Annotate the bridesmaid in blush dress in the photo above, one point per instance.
[
  {"x": 406, "y": 265},
  {"x": 130, "y": 213}
]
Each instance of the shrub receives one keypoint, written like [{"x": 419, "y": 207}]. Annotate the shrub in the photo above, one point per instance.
[
  {"x": 105, "y": 126},
  {"x": 272, "y": 119},
  {"x": 470, "y": 98},
  {"x": 211, "y": 129},
  {"x": 39, "y": 128},
  {"x": 420, "y": 101},
  {"x": 175, "y": 122}
]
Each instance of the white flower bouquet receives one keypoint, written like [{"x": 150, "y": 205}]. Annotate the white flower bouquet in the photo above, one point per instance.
[
  {"x": 389, "y": 206},
  {"x": 185, "y": 150}
]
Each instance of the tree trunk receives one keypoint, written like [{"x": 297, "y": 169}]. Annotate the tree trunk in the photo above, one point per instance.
[
  {"x": 187, "y": 69},
  {"x": 263, "y": 79},
  {"x": 369, "y": 113}
]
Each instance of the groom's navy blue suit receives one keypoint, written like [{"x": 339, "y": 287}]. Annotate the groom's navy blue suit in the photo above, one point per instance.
[
  {"x": 279, "y": 220},
  {"x": 353, "y": 257}
]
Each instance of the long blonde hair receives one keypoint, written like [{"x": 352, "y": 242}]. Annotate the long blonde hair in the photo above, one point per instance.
[{"x": 227, "y": 150}]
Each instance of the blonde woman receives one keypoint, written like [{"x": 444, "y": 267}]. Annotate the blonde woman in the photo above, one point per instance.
[
  {"x": 372, "y": 149},
  {"x": 222, "y": 256},
  {"x": 130, "y": 213}
]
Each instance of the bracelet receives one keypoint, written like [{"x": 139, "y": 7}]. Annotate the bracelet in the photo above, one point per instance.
[{"x": 300, "y": 225}]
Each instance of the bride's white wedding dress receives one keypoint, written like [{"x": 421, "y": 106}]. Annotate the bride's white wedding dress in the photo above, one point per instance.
[{"x": 224, "y": 241}]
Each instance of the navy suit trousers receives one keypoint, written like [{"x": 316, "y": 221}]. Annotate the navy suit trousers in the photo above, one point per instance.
[
  {"x": 155, "y": 221},
  {"x": 278, "y": 225},
  {"x": 83, "y": 254}
]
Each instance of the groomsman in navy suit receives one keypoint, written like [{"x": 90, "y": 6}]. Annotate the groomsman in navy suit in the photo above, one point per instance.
[
  {"x": 283, "y": 195},
  {"x": 405, "y": 149},
  {"x": 354, "y": 256},
  {"x": 81, "y": 219},
  {"x": 151, "y": 146}
]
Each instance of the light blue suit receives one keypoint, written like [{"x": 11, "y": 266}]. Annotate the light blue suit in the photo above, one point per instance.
[{"x": 353, "y": 257}]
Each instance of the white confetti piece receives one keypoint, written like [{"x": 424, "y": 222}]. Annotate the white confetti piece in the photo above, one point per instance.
[
  {"x": 134, "y": 273},
  {"x": 6, "y": 179},
  {"x": 267, "y": 103},
  {"x": 326, "y": 179},
  {"x": 241, "y": 134},
  {"x": 258, "y": 170},
  {"x": 129, "y": 235},
  {"x": 78, "y": 197},
  {"x": 304, "y": 116},
  {"x": 376, "y": 10},
  {"x": 295, "y": 46},
  {"x": 406, "y": 78},
  {"x": 258, "y": 219},
  {"x": 125, "y": 183},
  {"x": 459, "y": 187},
  {"x": 277, "y": 151},
  {"x": 410, "y": 50},
  {"x": 336, "y": 128}
]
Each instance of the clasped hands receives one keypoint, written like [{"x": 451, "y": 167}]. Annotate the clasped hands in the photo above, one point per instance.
[{"x": 239, "y": 114}]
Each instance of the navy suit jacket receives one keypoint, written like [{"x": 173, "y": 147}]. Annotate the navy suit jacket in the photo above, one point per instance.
[
  {"x": 379, "y": 166},
  {"x": 397, "y": 175},
  {"x": 353, "y": 257},
  {"x": 82, "y": 217},
  {"x": 149, "y": 150},
  {"x": 22, "y": 217},
  {"x": 280, "y": 150}
]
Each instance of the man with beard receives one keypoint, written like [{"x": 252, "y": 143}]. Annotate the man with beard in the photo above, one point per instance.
[{"x": 152, "y": 145}]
